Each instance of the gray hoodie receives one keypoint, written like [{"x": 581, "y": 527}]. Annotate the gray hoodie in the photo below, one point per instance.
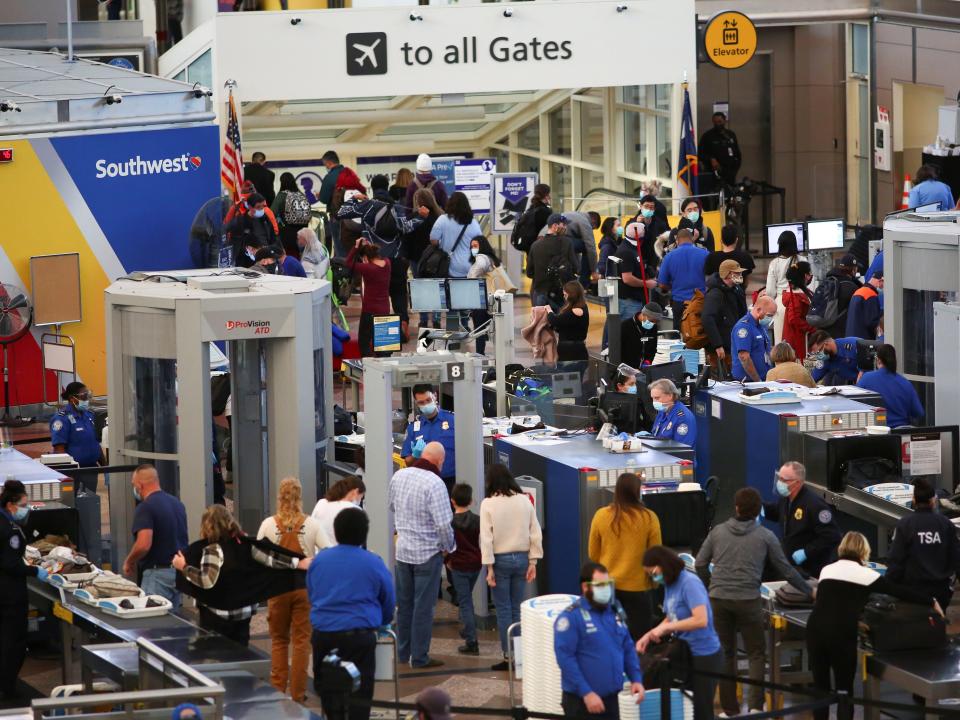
[{"x": 739, "y": 550}]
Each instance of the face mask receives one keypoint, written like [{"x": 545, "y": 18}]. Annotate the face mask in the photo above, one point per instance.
[
  {"x": 83, "y": 404},
  {"x": 782, "y": 489},
  {"x": 647, "y": 213},
  {"x": 766, "y": 321},
  {"x": 647, "y": 325},
  {"x": 818, "y": 356},
  {"x": 258, "y": 213},
  {"x": 251, "y": 255},
  {"x": 657, "y": 578},
  {"x": 474, "y": 251},
  {"x": 737, "y": 279},
  {"x": 137, "y": 496},
  {"x": 693, "y": 216},
  {"x": 21, "y": 513},
  {"x": 632, "y": 390},
  {"x": 358, "y": 502},
  {"x": 428, "y": 409},
  {"x": 659, "y": 406},
  {"x": 601, "y": 594},
  {"x": 620, "y": 231}
]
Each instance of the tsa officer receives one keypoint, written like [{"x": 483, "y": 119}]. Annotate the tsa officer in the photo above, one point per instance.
[
  {"x": 809, "y": 530},
  {"x": 72, "y": 431},
  {"x": 750, "y": 341},
  {"x": 432, "y": 424},
  {"x": 594, "y": 650},
  {"x": 925, "y": 553},
  {"x": 13, "y": 585},
  {"x": 674, "y": 420},
  {"x": 835, "y": 361}
]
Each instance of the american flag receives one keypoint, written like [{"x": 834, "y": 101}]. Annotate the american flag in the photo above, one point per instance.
[{"x": 231, "y": 170}]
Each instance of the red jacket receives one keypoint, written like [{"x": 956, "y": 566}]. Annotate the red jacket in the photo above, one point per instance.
[
  {"x": 348, "y": 180},
  {"x": 795, "y": 325}
]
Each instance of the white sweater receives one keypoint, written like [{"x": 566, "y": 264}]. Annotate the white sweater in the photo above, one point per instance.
[
  {"x": 325, "y": 513},
  {"x": 777, "y": 274},
  {"x": 508, "y": 523},
  {"x": 311, "y": 539}
]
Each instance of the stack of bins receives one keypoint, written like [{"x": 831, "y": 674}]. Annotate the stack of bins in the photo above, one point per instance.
[{"x": 541, "y": 674}]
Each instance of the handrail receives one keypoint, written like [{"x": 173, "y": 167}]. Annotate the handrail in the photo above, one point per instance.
[{"x": 183, "y": 669}]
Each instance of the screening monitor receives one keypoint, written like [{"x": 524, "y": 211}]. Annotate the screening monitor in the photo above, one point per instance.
[
  {"x": 467, "y": 293},
  {"x": 929, "y": 207},
  {"x": 428, "y": 295},
  {"x": 675, "y": 371},
  {"x": 624, "y": 410},
  {"x": 824, "y": 234},
  {"x": 773, "y": 236}
]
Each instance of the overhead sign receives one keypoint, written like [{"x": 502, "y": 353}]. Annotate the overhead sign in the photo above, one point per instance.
[
  {"x": 510, "y": 197},
  {"x": 730, "y": 39},
  {"x": 471, "y": 48},
  {"x": 473, "y": 177}
]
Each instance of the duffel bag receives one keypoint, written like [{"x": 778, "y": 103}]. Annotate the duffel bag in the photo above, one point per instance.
[{"x": 891, "y": 624}]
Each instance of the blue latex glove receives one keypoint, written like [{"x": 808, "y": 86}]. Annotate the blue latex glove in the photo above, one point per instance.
[
  {"x": 623, "y": 436},
  {"x": 42, "y": 574},
  {"x": 644, "y": 433},
  {"x": 799, "y": 557},
  {"x": 763, "y": 512},
  {"x": 417, "y": 448}
]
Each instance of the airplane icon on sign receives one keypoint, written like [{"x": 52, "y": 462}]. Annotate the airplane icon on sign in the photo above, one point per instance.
[{"x": 366, "y": 53}]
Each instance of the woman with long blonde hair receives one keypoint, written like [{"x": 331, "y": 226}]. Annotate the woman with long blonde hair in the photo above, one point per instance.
[{"x": 288, "y": 615}]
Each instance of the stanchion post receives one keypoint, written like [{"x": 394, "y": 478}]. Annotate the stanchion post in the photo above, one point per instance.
[
  {"x": 665, "y": 683},
  {"x": 843, "y": 705}
]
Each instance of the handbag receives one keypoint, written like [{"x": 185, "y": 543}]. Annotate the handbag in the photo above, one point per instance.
[
  {"x": 671, "y": 654},
  {"x": 435, "y": 261},
  {"x": 497, "y": 279}
]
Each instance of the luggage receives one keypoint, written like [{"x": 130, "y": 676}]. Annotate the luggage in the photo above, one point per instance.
[
  {"x": 825, "y": 309},
  {"x": 890, "y": 624},
  {"x": 788, "y": 596},
  {"x": 692, "y": 332},
  {"x": 864, "y": 472}
]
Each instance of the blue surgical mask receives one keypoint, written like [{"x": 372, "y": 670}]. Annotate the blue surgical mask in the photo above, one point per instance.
[
  {"x": 428, "y": 409},
  {"x": 474, "y": 251},
  {"x": 659, "y": 406},
  {"x": 620, "y": 231},
  {"x": 820, "y": 356},
  {"x": 766, "y": 321},
  {"x": 657, "y": 578},
  {"x": 21, "y": 513},
  {"x": 137, "y": 496},
  {"x": 782, "y": 489},
  {"x": 83, "y": 404},
  {"x": 602, "y": 594},
  {"x": 258, "y": 213},
  {"x": 647, "y": 325},
  {"x": 631, "y": 390},
  {"x": 693, "y": 216},
  {"x": 647, "y": 213}
]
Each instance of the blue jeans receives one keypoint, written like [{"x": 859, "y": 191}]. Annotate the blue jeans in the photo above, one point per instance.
[
  {"x": 417, "y": 590},
  {"x": 463, "y": 582},
  {"x": 162, "y": 582},
  {"x": 539, "y": 298},
  {"x": 629, "y": 308},
  {"x": 510, "y": 570}
]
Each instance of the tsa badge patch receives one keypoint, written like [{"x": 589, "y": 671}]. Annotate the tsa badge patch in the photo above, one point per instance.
[
  {"x": 825, "y": 517},
  {"x": 57, "y": 425},
  {"x": 563, "y": 624},
  {"x": 682, "y": 429},
  {"x": 15, "y": 541},
  {"x": 742, "y": 333}
]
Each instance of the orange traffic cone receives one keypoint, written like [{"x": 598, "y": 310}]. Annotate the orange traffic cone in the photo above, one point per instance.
[{"x": 907, "y": 185}]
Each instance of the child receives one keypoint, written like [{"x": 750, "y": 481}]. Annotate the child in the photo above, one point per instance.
[{"x": 464, "y": 562}]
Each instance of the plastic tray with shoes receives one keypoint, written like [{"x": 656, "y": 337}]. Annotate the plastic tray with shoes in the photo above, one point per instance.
[
  {"x": 72, "y": 581},
  {"x": 88, "y": 598},
  {"x": 136, "y": 607}
]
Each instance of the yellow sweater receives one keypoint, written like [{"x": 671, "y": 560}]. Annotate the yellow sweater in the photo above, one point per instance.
[{"x": 623, "y": 554}]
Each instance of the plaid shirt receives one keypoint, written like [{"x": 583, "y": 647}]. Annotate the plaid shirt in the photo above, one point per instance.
[
  {"x": 211, "y": 563},
  {"x": 422, "y": 515}
]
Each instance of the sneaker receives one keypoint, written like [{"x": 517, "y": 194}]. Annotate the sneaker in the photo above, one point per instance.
[
  {"x": 470, "y": 648},
  {"x": 501, "y": 666},
  {"x": 756, "y": 710},
  {"x": 430, "y": 663}
]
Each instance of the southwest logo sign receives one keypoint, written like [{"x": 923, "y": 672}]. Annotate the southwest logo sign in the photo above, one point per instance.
[
  {"x": 259, "y": 327},
  {"x": 367, "y": 53},
  {"x": 137, "y": 166}
]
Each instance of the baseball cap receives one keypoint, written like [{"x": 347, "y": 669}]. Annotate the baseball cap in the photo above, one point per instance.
[
  {"x": 728, "y": 267},
  {"x": 556, "y": 218},
  {"x": 653, "y": 311},
  {"x": 435, "y": 703},
  {"x": 848, "y": 260}
]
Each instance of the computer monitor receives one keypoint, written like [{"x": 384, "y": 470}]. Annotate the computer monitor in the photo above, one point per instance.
[
  {"x": 825, "y": 234},
  {"x": 675, "y": 371},
  {"x": 624, "y": 410},
  {"x": 929, "y": 207},
  {"x": 467, "y": 293},
  {"x": 428, "y": 295},
  {"x": 773, "y": 236}
]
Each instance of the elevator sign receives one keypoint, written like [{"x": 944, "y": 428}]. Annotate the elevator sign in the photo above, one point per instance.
[{"x": 729, "y": 39}]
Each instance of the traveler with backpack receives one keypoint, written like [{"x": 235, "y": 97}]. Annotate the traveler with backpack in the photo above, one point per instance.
[
  {"x": 527, "y": 227},
  {"x": 483, "y": 260},
  {"x": 551, "y": 263},
  {"x": 365, "y": 261},
  {"x": 425, "y": 180},
  {"x": 681, "y": 273},
  {"x": 750, "y": 342},
  {"x": 787, "y": 256},
  {"x": 331, "y": 161},
  {"x": 288, "y": 615},
  {"x": 723, "y": 305},
  {"x": 572, "y": 324},
  {"x": 398, "y": 191},
  {"x": 833, "y": 627},
  {"x": 796, "y": 301},
  {"x": 835, "y": 361},
  {"x": 580, "y": 227},
  {"x": 831, "y": 299},
  {"x": 416, "y": 242},
  {"x": 730, "y": 250},
  {"x": 252, "y": 227},
  {"x": 899, "y": 396},
  {"x": 451, "y": 235},
  {"x": 292, "y": 211},
  {"x": 865, "y": 309},
  {"x": 257, "y": 173}
]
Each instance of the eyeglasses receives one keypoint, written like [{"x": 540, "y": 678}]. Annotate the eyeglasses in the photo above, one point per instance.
[{"x": 784, "y": 478}]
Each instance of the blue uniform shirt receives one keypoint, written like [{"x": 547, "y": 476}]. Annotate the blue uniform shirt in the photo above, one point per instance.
[
  {"x": 682, "y": 270},
  {"x": 75, "y": 429},
  {"x": 679, "y": 600},
  {"x": 748, "y": 335},
  {"x": 350, "y": 589},
  {"x": 876, "y": 265},
  {"x": 931, "y": 191},
  {"x": 677, "y": 424},
  {"x": 439, "y": 429},
  {"x": 593, "y": 649},
  {"x": 899, "y": 396},
  {"x": 293, "y": 267},
  {"x": 844, "y": 363}
]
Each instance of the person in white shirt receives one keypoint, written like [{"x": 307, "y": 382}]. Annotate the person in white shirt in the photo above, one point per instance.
[
  {"x": 289, "y": 614},
  {"x": 344, "y": 493},
  {"x": 787, "y": 256},
  {"x": 511, "y": 542}
]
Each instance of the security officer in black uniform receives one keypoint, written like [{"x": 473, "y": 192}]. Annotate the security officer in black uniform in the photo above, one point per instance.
[
  {"x": 594, "y": 649},
  {"x": 73, "y": 431},
  {"x": 925, "y": 553},
  {"x": 810, "y": 533},
  {"x": 13, "y": 586}
]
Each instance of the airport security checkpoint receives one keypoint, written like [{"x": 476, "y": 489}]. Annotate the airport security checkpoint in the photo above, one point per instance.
[{"x": 354, "y": 398}]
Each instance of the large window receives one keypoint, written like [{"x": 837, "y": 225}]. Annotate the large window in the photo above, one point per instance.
[
  {"x": 635, "y": 142},
  {"x": 528, "y": 137},
  {"x": 591, "y": 132},
  {"x": 559, "y": 124}
]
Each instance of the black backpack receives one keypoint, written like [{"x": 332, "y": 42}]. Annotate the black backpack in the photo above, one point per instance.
[
  {"x": 435, "y": 262},
  {"x": 385, "y": 232},
  {"x": 343, "y": 282},
  {"x": 559, "y": 271},
  {"x": 525, "y": 231},
  {"x": 824, "y": 309}
]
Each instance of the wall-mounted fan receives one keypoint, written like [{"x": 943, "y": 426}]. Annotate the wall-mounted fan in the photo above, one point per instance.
[{"x": 16, "y": 317}]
